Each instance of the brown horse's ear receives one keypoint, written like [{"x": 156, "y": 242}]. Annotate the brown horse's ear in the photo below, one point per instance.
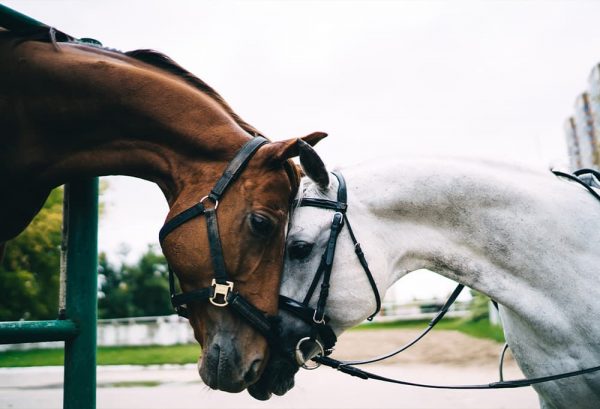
[
  {"x": 313, "y": 166},
  {"x": 279, "y": 151}
]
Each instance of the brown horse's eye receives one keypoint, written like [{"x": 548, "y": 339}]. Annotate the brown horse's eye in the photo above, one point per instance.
[
  {"x": 299, "y": 250},
  {"x": 261, "y": 225}
]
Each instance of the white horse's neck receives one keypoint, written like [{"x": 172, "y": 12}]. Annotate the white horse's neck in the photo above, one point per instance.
[
  {"x": 510, "y": 233},
  {"x": 527, "y": 239}
]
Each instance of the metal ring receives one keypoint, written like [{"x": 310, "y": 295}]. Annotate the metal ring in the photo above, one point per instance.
[
  {"x": 321, "y": 321},
  {"x": 215, "y": 201},
  {"x": 300, "y": 356}
]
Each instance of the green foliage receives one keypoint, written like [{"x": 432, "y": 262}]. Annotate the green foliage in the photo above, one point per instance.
[
  {"x": 135, "y": 290},
  {"x": 29, "y": 273},
  {"x": 479, "y": 307},
  {"x": 131, "y": 355}
]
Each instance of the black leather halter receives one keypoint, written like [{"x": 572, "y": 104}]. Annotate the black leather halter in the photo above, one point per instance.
[
  {"x": 316, "y": 318},
  {"x": 221, "y": 291}
]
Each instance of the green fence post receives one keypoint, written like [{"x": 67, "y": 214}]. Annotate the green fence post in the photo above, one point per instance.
[{"x": 82, "y": 292}]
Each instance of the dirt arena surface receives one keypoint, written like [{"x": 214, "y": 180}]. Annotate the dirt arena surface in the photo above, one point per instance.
[
  {"x": 442, "y": 357},
  {"x": 437, "y": 347}
]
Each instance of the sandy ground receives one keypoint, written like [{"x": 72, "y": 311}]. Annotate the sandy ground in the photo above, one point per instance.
[
  {"x": 442, "y": 357},
  {"x": 437, "y": 347}
]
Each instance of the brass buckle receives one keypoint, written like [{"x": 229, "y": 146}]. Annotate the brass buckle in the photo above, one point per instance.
[{"x": 220, "y": 289}]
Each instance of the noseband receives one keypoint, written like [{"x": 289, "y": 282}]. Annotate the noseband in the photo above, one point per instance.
[
  {"x": 316, "y": 318},
  {"x": 221, "y": 292}
]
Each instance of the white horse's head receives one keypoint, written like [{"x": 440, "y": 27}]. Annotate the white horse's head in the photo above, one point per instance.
[{"x": 350, "y": 298}]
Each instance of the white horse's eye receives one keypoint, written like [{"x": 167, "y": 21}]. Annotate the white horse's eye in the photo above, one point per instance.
[{"x": 299, "y": 250}]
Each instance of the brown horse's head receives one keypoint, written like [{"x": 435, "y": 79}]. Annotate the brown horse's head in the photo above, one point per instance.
[{"x": 252, "y": 218}]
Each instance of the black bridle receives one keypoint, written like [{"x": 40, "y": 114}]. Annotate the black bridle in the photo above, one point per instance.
[
  {"x": 316, "y": 317},
  {"x": 583, "y": 177},
  {"x": 221, "y": 292}
]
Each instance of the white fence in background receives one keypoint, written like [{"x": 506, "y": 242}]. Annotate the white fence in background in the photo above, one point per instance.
[
  {"x": 162, "y": 330},
  {"x": 172, "y": 329},
  {"x": 419, "y": 310}
]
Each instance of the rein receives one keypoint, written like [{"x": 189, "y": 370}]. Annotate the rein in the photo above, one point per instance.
[
  {"x": 221, "y": 292},
  {"x": 585, "y": 177}
]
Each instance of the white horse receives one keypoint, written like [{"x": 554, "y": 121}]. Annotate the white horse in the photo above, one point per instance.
[{"x": 527, "y": 239}]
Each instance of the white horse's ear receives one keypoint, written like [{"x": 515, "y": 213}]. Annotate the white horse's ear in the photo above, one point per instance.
[{"x": 312, "y": 165}]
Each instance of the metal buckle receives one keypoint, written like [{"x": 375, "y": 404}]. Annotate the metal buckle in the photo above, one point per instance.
[
  {"x": 321, "y": 321},
  {"x": 220, "y": 289},
  {"x": 216, "y": 202},
  {"x": 336, "y": 214},
  {"x": 300, "y": 356}
]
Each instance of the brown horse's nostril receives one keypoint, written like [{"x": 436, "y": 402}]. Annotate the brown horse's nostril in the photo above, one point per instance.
[{"x": 252, "y": 374}]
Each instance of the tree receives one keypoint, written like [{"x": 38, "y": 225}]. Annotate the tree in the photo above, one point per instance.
[
  {"x": 29, "y": 273},
  {"x": 114, "y": 299},
  {"x": 141, "y": 289}
]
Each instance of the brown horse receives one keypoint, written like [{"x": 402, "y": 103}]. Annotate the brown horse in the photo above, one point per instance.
[{"x": 71, "y": 111}]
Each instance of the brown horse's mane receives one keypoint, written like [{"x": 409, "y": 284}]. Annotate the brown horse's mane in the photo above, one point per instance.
[
  {"x": 163, "y": 62},
  {"x": 155, "y": 59},
  {"x": 150, "y": 57}
]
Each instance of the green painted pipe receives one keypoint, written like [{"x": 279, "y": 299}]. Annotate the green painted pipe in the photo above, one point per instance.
[
  {"x": 82, "y": 294},
  {"x": 16, "y": 332},
  {"x": 14, "y": 20}
]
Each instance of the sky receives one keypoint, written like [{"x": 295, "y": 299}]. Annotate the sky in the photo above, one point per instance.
[{"x": 494, "y": 79}]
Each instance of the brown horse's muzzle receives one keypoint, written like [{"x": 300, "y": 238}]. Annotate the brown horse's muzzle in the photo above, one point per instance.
[{"x": 234, "y": 354}]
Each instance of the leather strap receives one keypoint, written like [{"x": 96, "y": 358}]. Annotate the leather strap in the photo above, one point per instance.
[
  {"x": 363, "y": 262},
  {"x": 322, "y": 204},
  {"x": 181, "y": 218},
  {"x": 235, "y": 167},
  {"x": 518, "y": 383},
  {"x": 327, "y": 262},
  {"x": 215, "y": 247},
  {"x": 575, "y": 178},
  {"x": 430, "y": 326},
  {"x": 254, "y": 316},
  {"x": 202, "y": 294}
]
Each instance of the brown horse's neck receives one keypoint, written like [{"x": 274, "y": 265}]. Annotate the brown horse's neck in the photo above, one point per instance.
[{"x": 82, "y": 111}]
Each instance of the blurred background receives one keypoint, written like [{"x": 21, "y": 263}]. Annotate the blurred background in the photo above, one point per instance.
[
  {"x": 493, "y": 80},
  {"x": 473, "y": 79}
]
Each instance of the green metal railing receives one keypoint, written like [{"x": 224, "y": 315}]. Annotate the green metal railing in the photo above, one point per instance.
[
  {"x": 77, "y": 326},
  {"x": 77, "y": 321}
]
